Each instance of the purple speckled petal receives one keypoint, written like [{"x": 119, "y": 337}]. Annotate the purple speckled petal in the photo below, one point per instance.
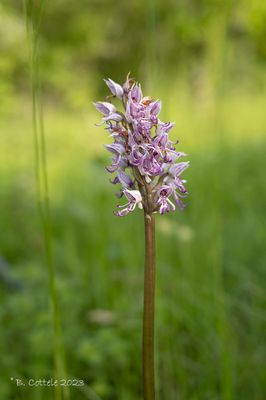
[
  {"x": 134, "y": 198},
  {"x": 114, "y": 167},
  {"x": 115, "y": 148},
  {"x": 155, "y": 107},
  {"x": 180, "y": 186},
  {"x": 178, "y": 168},
  {"x": 165, "y": 204},
  {"x": 113, "y": 117},
  {"x": 125, "y": 179},
  {"x": 178, "y": 202},
  {"x": 161, "y": 140},
  {"x": 164, "y": 127},
  {"x": 135, "y": 94},
  {"x": 131, "y": 111},
  {"x": 105, "y": 108},
  {"x": 115, "y": 88}
]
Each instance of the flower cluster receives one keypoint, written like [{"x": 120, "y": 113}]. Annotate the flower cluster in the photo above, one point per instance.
[{"x": 144, "y": 159}]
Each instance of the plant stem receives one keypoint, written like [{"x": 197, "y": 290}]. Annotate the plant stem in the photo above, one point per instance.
[
  {"x": 33, "y": 17},
  {"x": 148, "y": 314}
]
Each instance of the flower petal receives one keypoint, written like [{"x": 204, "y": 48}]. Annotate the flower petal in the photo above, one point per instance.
[
  {"x": 115, "y": 88},
  {"x": 105, "y": 108}
]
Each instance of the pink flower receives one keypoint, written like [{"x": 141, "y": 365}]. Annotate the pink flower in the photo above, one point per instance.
[
  {"x": 142, "y": 153},
  {"x": 134, "y": 198}
]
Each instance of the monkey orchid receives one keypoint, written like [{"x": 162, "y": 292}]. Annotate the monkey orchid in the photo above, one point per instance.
[{"x": 148, "y": 168}]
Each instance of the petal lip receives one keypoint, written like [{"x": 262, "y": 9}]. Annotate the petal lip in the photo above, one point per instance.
[
  {"x": 177, "y": 169},
  {"x": 134, "y": 198}
]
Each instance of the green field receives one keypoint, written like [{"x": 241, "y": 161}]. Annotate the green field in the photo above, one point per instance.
[
  {"x": 210, "y": 319},
  {"x": 71, "y": 273}
]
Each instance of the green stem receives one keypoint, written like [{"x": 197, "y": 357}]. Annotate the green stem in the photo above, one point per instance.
[
  {"x": 33, "y": 16},
  {"x": 148, "y": 314}
]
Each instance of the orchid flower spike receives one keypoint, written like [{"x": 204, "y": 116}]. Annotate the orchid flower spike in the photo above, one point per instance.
[{"x": 143, "y": 157}]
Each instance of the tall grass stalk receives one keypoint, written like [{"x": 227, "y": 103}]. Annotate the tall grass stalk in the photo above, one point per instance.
[
  {"x": 152, "y": 63},
  {"x": 33, "y": 18}
]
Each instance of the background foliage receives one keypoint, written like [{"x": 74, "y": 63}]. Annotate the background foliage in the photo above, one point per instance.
[{"x": 206, "y": 61}]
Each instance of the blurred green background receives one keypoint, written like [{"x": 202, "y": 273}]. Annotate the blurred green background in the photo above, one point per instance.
[{"x": 206, "y": 60}]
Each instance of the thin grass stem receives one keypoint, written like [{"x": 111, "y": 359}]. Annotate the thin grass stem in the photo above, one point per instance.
[{"x": 33, "y": 17}]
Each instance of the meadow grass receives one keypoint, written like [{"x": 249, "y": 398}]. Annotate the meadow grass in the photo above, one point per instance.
[
  {"x": 33, "y": 18},
  {"x": 211, "y": 258}
]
